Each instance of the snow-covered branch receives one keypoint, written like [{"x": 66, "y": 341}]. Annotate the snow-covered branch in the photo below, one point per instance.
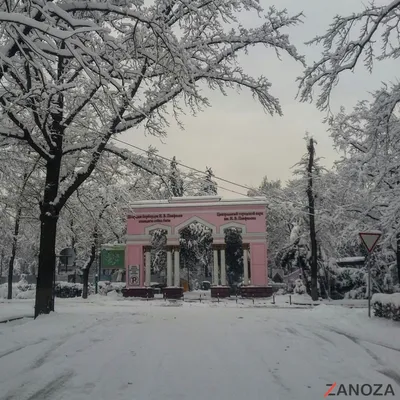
[{"x": 346, "y": 41}]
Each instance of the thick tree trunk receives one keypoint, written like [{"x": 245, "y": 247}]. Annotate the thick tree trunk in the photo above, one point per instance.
[
  {"x": 311, "y": 212},
  {"x": 47, "y": 263},
  {"x": 44, "y": 303},
  {"x": 13, "y": 252}
]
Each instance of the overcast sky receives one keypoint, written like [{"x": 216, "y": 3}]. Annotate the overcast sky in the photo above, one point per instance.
[{"x": 237, "y": 139}]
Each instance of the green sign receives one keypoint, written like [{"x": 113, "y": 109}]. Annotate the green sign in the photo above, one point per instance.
[{"x": 112, "y": 258}]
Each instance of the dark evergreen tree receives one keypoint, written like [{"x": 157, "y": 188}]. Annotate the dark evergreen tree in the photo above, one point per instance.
[
  {"x": 208, "y": 186},
  {"x": 175, "y": 179},
  {"x": 234, "y": 255},
  {"x": 158, "y": 250},
  {"x": 195, "y": 252}
]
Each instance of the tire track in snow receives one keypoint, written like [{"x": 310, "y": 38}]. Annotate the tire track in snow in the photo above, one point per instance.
[
  {"x": 18, "y": 348},
  {"x": 65, "y": 338},
  {"x": 389, "y": 373},
  {"x": 46, "y": 392},
  {"x": 358, "y": 340},
  {"x": 51, "y": 388},
  {"x": 20, "y": 392}
]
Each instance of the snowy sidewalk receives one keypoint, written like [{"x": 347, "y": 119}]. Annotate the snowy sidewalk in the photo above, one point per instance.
[
  {"x": 14, "y": 309},
  {"x": 25, "y": 307},
  {"x": 139, "y": 351}
]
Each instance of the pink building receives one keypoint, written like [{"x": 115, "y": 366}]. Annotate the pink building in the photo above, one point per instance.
[{"x": 217, "y": 214}]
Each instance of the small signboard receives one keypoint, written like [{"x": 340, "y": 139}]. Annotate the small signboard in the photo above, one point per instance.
[
  {"x": 370, "y": 239},
  {"x": 134, "y": 275},
  {"x": 113, "y": 257}
]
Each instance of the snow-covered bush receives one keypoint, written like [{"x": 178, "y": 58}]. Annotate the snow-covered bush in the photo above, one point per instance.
[
  {"x": 351, "y": 282},
  {"x": 20, "y": 290},
  {"x": 387, "y": 305},
  {"x": 67, "y": 290},
  {"x": 299, "y": 287},
  {"x": 359, "y": 293},
  {"x": 3, "y": 291},
  {"x": 114, "y": 295},
  {"x": 106, "y": 286},
  {"x": 27, "y": 294},
  {"x": 24, "y": 290},
  {"x": 23, "y": 284}
]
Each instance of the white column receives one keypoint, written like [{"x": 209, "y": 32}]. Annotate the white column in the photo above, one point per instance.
[
  {"x": 177, "y": 278},
  {"x": 245, "y": 267},
  {"x": 148, "y": 268},
  {"x": 215, "y": 274},
  {"x": 169, "y": 268},
  {"x": 223, "y": 268}
]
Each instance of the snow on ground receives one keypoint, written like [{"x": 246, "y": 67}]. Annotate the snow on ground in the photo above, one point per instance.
[{"x": 105, "y": 348}]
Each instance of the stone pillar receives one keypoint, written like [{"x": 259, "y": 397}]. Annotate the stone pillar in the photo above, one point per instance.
[
  {"x": 245, "y": 266},
  {"x": 223, "y": 267},
  {"x": 169, "y": 267},
  {"x": 177, "y": 277},
  {"x": 215, "y": 273},
  {"x": 148, "y": 268}
]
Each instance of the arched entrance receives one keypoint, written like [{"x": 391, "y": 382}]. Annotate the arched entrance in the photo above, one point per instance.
[
  {"x": 195, "y": 254},
  {"x": 245, "y": 215}
]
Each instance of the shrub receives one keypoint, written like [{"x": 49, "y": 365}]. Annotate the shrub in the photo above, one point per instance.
[
  {"x": 66, "y": 290},
  {"x": 107, "y": 286},
  {"x": 387, "y": 306}
]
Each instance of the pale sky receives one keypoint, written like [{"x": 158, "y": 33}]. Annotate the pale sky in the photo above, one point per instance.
[{"x": 242, "y": 143}]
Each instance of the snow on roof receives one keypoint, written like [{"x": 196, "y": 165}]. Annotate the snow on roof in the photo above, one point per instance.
[
  {"x": 198, "y": 201},
  {"x": 116, "y": 246},
  {"x": 350, "y": 259}
]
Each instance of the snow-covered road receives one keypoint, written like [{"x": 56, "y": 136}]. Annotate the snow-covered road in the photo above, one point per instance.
[{"x": 138, "y": 351}]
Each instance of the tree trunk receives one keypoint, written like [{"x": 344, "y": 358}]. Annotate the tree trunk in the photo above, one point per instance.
[
  {"x": 301, "y": 264},
  {"x": 1, "y": 264},
  {"x": 89, "y": 262},
  {"x": 44, "y": 302},
  {"x": 47, "y": 263},
  {"x": 398, "y": 257},
  {"x": 13, "y": 252},
  {"x": 311, "y": 212},
  {"x": 85, "y": 290}
]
